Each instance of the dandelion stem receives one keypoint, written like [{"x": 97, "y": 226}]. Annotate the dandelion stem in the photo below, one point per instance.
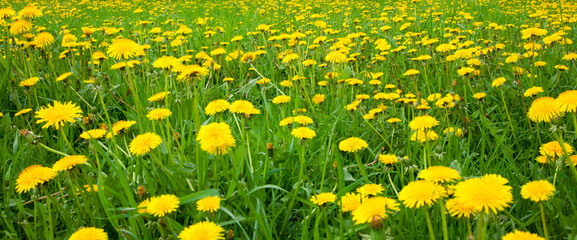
[
  {"x": 429, "y": 224},
  {"x": 545, "y": 232},
  {"x": 66, "y": 140}
]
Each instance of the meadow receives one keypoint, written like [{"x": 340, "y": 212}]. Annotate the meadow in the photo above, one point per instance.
[{"x": 273, "y": 119}]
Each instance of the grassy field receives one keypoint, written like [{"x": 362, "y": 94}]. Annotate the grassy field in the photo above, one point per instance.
[{"x": 288, "y": 119}]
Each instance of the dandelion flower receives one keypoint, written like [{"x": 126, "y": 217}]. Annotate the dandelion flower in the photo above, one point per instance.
[
  {"x": 91, "y": 233},
  {"x": 202, "y": 231},
  {"x": 281, "y": 99},
  {"x": 124, "y": 49},
  {"x": 350, "y": 202},
  {"x": 216, "y": 138},
  {"x": 520, "y": 235},
  {"x": 23, "y": 111},
  {"x": 375, "y": 208},
  {"x": 158, "y": 114},
  {"x": 479, "y": 96},
  {"x": 486, "y": 194},
  {"x": 336, "y": 57},
  {"x": 208, "y": 204},
  {"x": 322, "y": 198},
  {"x": 33, "y": 175},
  {"x": 303, "y": 133},
  {"x": 30, "y": 12},
  {"x": 143, "y": 143},
  {"x": 319, "y": 98},
  {"x": 29, "y": 82},
  {"x": 498, "y": 82},
  {"x": 544, "y": 109},
  {"x": 423, "y": 122},
  {"x": 43, "y": 39},
  {"x": 158, "y": 97},
  {"x": 553, "y": 149},
  {"x": 58, "y": 114},
  {"x": 216, "y": 106},
  {"x": 423, "y": 136},
  {"x": 93, "y": 134},
  {"x": 20, "y": 26},
  {"x": 458, "y": 209},
  {"x": 69, "y": 162},
  {"x": 388, "y": 158},
  {"x": 165, "y": 62},
  {"x": 531, "y": 92},
  {"x": 538, "y": 191},
  {"x": 142, "y": 206},
  {"x": 63, "y": 77},
  {"x": 411, "y": 72},
  {"x": 7, "y": 12},
  {"x": 421, "y": 193},
  {"x": 439, "y": 174},
  {"x": 243, "y": 107},
  {"x": 370, "y": 189},
  {"x": 162, "y": 205},
  {"x": 567, "y": 101},
  {"x": 352, "y": 144}
]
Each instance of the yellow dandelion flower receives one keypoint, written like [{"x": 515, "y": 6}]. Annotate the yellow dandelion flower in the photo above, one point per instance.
[
  {"x": 58, "y": 114},
  {"x": 520, "y": 235},
  {"x": 458, "y": 209},
  {"x": 479, "y": 96},
  {"x": 208, "y": 204},
  {"x": 336, "y": 57},
  {"x": 421, "y": 193},
  {"x": 69, "y": 162},
  {"x": 567, "y": 101},
  {"x": 544, "y": 109},
  {"x": 538, "y": 191},
  {"x": 63, "y": 77},
  {"x": 423, "y": 122},
  {"x": 29, "y": 82},
  {"x": 375, "y": 208},
  {"x": 202, "y": 230},
  {"x": 124, "y": 49},
  {"x": 43, "y": 39},
  {"x": 143, "y": 143},
  {"x": 322, "y": 198},
  {"x": 439, "y": 174},
  {"x": 531, "y": 92},
  {"x": 303, "y": 133},
  {"x": 158, "y": 114},
  {"x": 486, "y": 194},
  {"x": 351, "y": 201},
  {"x": 352, "y": 144},
  {"x": 23, "y": 111},
  {"x": 93, "y": 134},
  {"x": 216, "y": 106},
  {"x": 91, "y": 233},
  {"x": 411, "y": 72},
  {"x": 319, "y": 98},
  {"x": 162, "y": 205},
  {"x": 32, "y": 176},
  {"x": 388, "y": 159},
  {"x": 498, "y": 82},
  {"x": 243, "y": 107},
  {"x": 216, "y": 138},
  {"x": 158, "y": 97},
  {"x": 20, "y": 26},
  {"x": 281, "y": 99},
  {"x": 370, "y": 189},
  {"x": 553, "y": 149}
]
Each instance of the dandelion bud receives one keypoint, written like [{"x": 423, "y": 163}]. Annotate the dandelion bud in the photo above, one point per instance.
[
  {"x": 454, "y": 83},
  {"x": 229, "y": 234},
  {"x": 141, "y": 191},
  {"x": 270, "y": 148}
]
